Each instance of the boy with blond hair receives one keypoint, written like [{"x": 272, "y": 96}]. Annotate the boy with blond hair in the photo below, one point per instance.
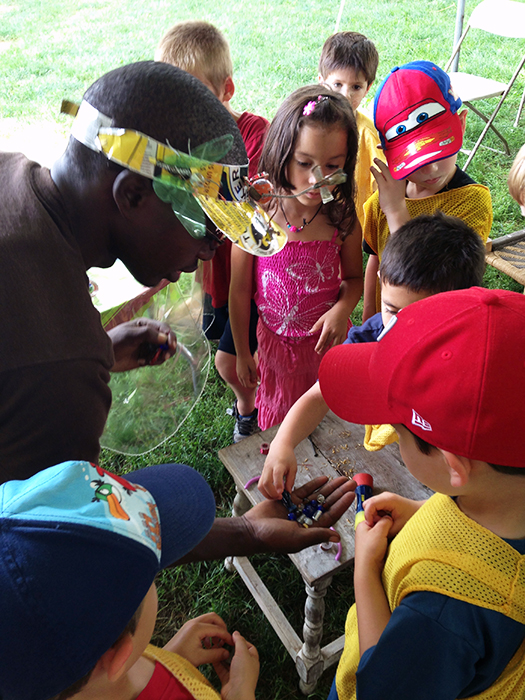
[
  {"x": 417, "y": 116},
  {"x": 201, "y": 49},
  {"x": 348, "y": 65},
  {"x": 440, "y": 584}
]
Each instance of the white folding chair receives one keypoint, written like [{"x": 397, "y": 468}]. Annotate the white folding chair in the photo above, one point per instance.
[{"x": 504, "y": 18}]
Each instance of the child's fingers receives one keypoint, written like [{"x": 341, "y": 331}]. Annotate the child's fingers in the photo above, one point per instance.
[
  {"x": 382, "y": 502},
  {"x": 213, "y": 635},
  {"x": 243, "y": 646},
  {"x": 214, "y": 656},
  {"x": 269, "y": 482},
  {"x": 290, "y": 480},
  {"x": 211, "y": 618},
  {"x": 222, "y": 671}
]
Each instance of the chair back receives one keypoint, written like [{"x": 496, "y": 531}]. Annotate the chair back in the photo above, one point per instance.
[{"x": 501, "y": 17}]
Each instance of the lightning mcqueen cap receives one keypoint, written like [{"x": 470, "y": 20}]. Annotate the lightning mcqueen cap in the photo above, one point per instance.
[
  {"x": 79, "y": 549},
  {"x": 416, "y": 115},
  {"x": 451, "y": 368}
]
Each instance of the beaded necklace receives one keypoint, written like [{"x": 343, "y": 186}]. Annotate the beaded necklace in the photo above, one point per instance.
[{"x": 297, "y": 229}]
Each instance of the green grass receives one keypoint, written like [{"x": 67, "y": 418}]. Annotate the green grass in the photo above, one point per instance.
[{"x": 55, "y": 49}]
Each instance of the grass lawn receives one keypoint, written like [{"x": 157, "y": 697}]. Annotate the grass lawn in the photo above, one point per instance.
[{"x": 54, "y": 50}]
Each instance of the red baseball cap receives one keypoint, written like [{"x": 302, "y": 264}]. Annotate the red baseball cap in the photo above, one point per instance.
[
  {"x": 415, "y": 113},
  {"x": 451, "y": 368}
]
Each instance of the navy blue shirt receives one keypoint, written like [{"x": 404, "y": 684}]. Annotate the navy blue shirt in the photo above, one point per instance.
[{"x": 367, "y": 333}]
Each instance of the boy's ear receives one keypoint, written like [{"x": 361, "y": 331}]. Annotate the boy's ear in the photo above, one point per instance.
[
  {"x": 463, "y": 119},
  {"x": 114, "y": 661},
  {"x": 228, "y": 89},
  {"x": 459, "y": 468},
  {"x": 131, "y": 191}
]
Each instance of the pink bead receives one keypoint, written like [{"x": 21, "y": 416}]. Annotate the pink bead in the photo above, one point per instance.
[{"x": 293, "y": 229}]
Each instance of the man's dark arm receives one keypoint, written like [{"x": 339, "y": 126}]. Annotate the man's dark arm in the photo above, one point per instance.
[{"x": 266, "y": 528}]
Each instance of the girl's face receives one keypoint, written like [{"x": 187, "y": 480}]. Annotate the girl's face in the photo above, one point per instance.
[{"x": 315, "y": 145}]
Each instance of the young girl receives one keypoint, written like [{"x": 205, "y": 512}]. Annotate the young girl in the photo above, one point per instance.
[{"x": 306, "y": 292}]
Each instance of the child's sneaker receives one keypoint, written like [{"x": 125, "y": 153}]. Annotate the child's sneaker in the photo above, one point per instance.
[{"x": 244, "y": 425}]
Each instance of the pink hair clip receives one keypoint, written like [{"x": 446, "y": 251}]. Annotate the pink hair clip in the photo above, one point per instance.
[{"x": 310, "y": 106}]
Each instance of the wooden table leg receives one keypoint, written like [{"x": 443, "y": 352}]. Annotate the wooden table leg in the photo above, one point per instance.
[
  {"x": 309, "y": 662},
  {"x": 241, "y": 505}
]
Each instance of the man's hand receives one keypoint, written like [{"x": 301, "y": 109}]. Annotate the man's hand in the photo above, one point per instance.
[
  {"x": 271, "y": 529},
  {"x": 134, "y": 341},
  {"x": 266, "y": 528},
  {"x": 201, "y": 640}
]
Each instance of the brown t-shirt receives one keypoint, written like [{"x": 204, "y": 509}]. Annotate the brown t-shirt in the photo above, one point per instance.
[{"x": 54, "y": 354}]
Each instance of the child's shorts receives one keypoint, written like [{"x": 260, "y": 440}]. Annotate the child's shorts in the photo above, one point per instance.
[{"x": 226, "y": 343}]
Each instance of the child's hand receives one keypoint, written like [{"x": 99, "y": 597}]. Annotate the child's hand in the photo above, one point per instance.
[
  {"x": 247, "y": 371},
  {"x": 201, "y": 640},
  {"x": 278, "y": 467},
  {"x": 333, "y": 326},
  {"x": 398, "y": 508},
  {"x": 391, "y": 195},
  {"x": 371, "y": 543},
  {"x": 239, "y": 681}
]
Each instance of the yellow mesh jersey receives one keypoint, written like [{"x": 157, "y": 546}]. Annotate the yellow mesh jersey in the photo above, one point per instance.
[
  {"x": 470, "y": 203},
  {"x": 377, "y": 436},
  {"x": 190, "y": 677},
  {"x": 440, "y": 549},
  {"x": 366, "y": 152}
]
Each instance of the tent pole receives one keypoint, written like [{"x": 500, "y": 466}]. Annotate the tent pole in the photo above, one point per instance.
[
  {"x": 460, "y": 16},
  {"x": 341, "y": 8}
]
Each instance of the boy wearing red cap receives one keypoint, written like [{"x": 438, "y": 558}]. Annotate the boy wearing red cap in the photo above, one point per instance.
[
  {"x": 443, "y": 615},
  {"x": 421, "y": 132}
]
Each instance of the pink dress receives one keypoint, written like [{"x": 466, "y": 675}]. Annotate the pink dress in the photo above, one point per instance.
[{"x": 294, "y": 288}]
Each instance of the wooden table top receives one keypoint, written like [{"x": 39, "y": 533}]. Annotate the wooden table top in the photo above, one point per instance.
[{"x": 334, "y": 448}]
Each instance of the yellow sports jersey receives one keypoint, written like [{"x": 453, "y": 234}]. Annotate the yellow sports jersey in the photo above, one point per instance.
[
  {"x": 185, "y": 672},
  {"x": 366, "y": 152},
  {"x": 440, "y": 549},
  {"x": 471, "y": 203}
]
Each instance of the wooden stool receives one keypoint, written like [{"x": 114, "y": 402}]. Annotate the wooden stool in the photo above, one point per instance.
[
  {"x": 507, "y": 254},
  {"x": 334, "y": 445}
]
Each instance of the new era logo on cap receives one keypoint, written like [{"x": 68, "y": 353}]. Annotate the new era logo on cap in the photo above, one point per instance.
[{"x": 419, "y": 421}]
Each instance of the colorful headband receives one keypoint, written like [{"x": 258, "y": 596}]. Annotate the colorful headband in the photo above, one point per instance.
[
  {"x": 193, "y": 184},
  {"x": 310, "y": 106}
]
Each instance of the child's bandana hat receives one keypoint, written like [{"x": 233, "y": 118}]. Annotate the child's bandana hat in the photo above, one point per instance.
[
  {"x": 415, "y": 113},
  {"x": 79, "y": 549},
  {"x": 451, "y": 368}
]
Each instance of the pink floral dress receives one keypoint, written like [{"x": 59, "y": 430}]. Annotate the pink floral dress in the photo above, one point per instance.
[{"x": 294, "y": 288}]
